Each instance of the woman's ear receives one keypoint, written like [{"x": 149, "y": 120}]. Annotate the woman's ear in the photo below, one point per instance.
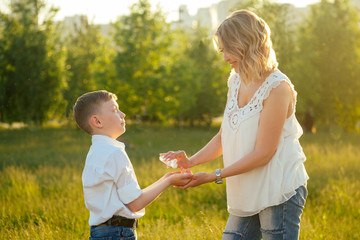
[{"x": 95, "y": 122}]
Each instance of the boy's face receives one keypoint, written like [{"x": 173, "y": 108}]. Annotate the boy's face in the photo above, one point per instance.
[{"x": 112, "y": 119}]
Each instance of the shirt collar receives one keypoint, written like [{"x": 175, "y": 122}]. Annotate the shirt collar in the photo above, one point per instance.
[{"x": 96, "y": 139}]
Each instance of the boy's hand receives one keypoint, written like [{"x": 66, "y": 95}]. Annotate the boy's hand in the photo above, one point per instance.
[
  {"x": 178, "y": 178},
  {"x": 198, "y": 179}
]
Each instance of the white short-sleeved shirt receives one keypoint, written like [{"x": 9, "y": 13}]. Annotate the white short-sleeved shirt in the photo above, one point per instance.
[
  {"x": 275, "y": 182},
  {"x": 109, "y": 181}
]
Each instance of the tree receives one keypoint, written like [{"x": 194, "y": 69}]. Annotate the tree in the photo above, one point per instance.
[
  {"x": 329, "y": 60},
  {"x": 31, "y": 78},
  {"x": 84, "y": 47},
  {"x": 142, "y": 39},
  {"x": 198, "y": 78}
]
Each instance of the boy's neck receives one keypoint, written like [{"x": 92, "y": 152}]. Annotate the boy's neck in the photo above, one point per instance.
[{"x": 97, "y": 132}]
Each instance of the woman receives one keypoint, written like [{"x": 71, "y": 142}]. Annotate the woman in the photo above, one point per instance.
[{"x": 263, "y": 160}]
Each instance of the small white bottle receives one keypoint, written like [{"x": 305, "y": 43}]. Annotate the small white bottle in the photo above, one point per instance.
[{"x": 169, "y": 163}]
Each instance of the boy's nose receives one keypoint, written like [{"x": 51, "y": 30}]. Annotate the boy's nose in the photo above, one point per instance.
[{"x": 122, "y": 115}]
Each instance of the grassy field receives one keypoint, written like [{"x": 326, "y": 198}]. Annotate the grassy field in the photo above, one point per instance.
[{"x": 41, "y": 194}]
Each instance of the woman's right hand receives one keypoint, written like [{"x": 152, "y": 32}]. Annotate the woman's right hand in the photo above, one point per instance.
[
  {"x": 178, "y": 178},
  {"x": 182, "y": 159},
  {"x": 199, "y": 179}
]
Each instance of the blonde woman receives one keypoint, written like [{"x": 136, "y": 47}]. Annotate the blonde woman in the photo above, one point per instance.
[{"x": 263, "y": 159}]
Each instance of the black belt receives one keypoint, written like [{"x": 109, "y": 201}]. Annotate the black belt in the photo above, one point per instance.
[{"x": 119, "y": 221}]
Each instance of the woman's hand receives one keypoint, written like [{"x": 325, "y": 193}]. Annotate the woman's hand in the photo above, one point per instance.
[
  {"x": 182, "y": 159},
  {"x": 199, "y": 179}
]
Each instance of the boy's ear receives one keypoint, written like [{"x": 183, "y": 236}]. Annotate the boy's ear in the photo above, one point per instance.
[{"x": 95, "y": 121}]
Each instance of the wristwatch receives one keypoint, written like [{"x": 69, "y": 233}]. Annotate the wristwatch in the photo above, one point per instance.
[{"x": 218, "y": 179}]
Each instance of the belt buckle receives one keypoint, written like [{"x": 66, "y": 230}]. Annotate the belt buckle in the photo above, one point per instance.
[
  {"x": 122, "y": 221},
  {"x": 116, "y": 221}
]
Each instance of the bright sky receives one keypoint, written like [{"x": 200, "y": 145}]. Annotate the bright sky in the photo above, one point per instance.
[{"x": 105, "y": 11}]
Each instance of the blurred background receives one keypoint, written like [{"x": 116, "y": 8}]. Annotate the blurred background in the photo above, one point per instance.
[
  {"x": 160, "y": 60},
  {"x": 162, "y": 63}
]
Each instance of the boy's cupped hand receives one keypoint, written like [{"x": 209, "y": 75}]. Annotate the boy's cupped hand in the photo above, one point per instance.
[
  {"x": 197, "y": 179},
  {"x": 178, "y": 178}
]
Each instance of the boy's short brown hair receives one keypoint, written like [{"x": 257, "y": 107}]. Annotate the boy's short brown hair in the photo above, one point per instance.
[{"x": 87, "y": 105}]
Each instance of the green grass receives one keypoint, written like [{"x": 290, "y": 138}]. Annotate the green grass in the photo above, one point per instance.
[{"x": 41, "y": 194}]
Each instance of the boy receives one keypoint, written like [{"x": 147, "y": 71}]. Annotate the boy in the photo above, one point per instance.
[{"x": 111, "y": 191}]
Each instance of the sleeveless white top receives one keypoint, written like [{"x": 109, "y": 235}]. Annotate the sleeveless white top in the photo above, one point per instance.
[{"x": 275, "y": 182}]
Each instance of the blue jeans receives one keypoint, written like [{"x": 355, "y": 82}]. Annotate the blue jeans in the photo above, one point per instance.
[
  {"x": 112, "y": 233},
  {"x": 273, "y": 223}
]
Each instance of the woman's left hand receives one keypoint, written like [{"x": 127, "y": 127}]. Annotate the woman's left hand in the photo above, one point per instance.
[
  {"x": 182, "y": 160},
  {"x": 199, "y": 179}
]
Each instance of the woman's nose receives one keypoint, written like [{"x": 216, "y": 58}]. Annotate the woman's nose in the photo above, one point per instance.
[{"x": 226, "y": 57}]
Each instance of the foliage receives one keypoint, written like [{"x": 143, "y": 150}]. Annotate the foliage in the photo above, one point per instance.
[
  {"x": 198, "y": 78},
  {"x": 329, "y": 57},
  {"x": 82, "y": 53},
  {"x": 142, "y": 40},
  {"x": 320, "y": 54},
  {"x": 31, "y": 62},
  {"x": 171, "y": 75},
  {"x": 162, "y": 74},
  {"x": 41, "y": 194}
]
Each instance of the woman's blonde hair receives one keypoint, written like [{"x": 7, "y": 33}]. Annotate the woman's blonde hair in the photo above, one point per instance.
[{"x": 247, "y": 37}]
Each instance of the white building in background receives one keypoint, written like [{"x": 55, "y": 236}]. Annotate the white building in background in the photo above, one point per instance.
[
  {"x": 71, "y": 24},
  {"x": 212, "y": 16},
  {"x": 356, "y": 3},
  {"x": 209, "y": 17},
  {"x": 224, "y": 8},
  {"x": 185, "y": 20}
]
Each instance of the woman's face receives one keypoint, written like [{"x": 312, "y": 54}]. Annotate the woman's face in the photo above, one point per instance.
[{"x": 228, "y": 57}]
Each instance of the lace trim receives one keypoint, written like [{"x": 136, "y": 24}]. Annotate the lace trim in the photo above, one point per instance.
[{"x": 236, "y": 115}]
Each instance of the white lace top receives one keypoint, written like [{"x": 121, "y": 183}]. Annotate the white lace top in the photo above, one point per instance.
[{"x": 275, "y": 182}]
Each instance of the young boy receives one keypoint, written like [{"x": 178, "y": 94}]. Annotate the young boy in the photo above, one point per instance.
[{"x": 111, "y": 191}]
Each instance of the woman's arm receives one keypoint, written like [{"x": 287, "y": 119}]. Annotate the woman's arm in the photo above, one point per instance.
[
  {"x": 277, "y": 107},
  {"x": 210, "y": 151}
]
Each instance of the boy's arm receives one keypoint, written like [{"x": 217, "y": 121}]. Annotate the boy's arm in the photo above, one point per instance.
[{"x": 150, "y": 193}]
